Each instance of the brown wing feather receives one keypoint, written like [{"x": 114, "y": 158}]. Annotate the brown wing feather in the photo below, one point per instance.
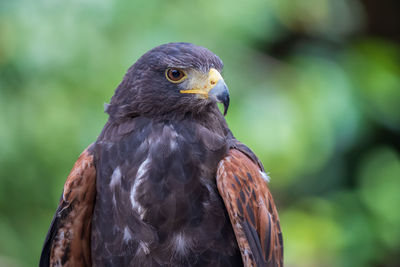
[
  {"x": 68, "y": 240},
  {"x": 251, "y": 210}
]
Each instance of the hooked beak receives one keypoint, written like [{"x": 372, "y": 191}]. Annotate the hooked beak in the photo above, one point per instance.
[
  {"x": 221, "y": 93},
  {"x": 214, "y": 87}
]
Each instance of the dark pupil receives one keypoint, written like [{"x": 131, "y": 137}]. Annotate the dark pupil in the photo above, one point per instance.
[{"x": 176, "y": 73}]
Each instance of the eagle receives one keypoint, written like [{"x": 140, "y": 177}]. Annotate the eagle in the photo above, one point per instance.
[{"x": 166, "y": 183}]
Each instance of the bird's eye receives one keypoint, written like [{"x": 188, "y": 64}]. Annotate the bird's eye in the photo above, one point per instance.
[{"x": 175, "y": 75}]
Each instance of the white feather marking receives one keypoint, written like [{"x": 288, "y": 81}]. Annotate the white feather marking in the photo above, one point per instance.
[
  {"x": 221, "y": 167},
  {"x": 180, "y": 243},
  {"x": 106, "y": 105},
  {"x": 115, "y": 177},
  {"x": 238, "y": 225},
  {"x": 114, "y": 201},
  {"x": 142, "y": 169},
  {"x": 172, "y": 135},
  {"x": 265, "y": 176},
  {"x": 145, "y": 247},
  {"x": 221, "y": 164},
  {"x": 127, "y": 234},
  {"x": 173, "y": 144},
  {"x": 138, "y": 181}
]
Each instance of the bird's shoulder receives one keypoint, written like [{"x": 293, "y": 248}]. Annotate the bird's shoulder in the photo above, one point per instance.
[
  {"x": 68, "y": 239},
  {"x": 243, "y": 186}
]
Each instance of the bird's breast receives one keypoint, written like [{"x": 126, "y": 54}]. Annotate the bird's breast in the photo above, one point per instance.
[{"x": 156, "y": 192}]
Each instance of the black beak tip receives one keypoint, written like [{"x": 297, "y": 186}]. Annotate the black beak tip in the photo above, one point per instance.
[
  {"x": 221, "y": 94},
  {"x": 226, "y": 104}
]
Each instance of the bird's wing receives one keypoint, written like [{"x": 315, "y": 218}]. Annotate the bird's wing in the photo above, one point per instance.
[
  {"x": 68, "y": 240},
  {"x": 244, "y": 190}
]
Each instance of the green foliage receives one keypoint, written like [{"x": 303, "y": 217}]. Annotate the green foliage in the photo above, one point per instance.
[{"x": 324, "y": 118}]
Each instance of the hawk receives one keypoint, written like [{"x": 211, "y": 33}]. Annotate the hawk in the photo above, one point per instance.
[{"x": 166, "y": 183}]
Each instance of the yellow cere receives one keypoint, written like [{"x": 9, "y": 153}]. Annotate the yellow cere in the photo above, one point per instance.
[{"x": 204, "y": 86}]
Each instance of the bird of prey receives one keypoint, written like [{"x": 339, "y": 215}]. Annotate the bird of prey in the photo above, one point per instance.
[{"x": 166, "y": 183}]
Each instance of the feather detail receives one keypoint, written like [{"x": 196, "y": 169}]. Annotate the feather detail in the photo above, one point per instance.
[
  {"x": 68, "y": 240},
  {"x": 251, "y": 209}
]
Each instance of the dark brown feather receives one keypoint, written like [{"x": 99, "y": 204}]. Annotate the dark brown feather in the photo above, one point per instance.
[
  {"x": 251, "y": 210},
  {"x": 68, "y": 240}
]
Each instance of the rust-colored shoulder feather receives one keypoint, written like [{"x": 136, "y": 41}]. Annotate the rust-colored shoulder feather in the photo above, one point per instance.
[
  {"x": 251, "y": 210},
  {"x": 68, "y": 240}
]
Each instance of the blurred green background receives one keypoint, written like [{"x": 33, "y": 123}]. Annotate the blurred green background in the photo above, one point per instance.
[{"x": 315, "y": 89}]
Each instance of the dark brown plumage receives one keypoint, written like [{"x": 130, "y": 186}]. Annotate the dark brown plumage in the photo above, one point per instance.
[{"x": 166, "y": 183}]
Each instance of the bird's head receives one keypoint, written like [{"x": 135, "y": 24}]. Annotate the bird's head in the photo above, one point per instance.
[{"x": 171, "y": 78}]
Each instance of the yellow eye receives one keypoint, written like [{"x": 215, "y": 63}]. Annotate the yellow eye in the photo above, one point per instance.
[{"x": 175, "y": 75}]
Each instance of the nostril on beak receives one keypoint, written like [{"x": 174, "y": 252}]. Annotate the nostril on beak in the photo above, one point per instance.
[{"x": 212, "y": 82}]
